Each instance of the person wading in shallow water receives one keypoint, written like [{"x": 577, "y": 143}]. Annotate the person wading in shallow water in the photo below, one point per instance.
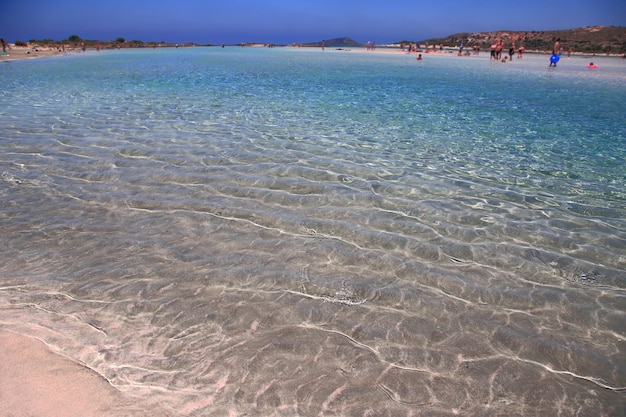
[
  {"x": 557, "y": 47},
  {"x": 499, "y": 48},
  {"x": 555, "y": 52},
  {"x": 4, "y": 47}
]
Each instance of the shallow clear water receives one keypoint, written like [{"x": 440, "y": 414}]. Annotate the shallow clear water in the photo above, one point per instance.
[{"x": 291, "y": 232}]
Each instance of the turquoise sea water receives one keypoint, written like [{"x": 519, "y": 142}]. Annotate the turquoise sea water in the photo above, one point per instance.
[{"x": 295, "y": 232}]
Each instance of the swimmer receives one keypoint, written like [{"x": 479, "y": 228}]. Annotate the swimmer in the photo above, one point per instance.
[{"x": 592, "y": 65}]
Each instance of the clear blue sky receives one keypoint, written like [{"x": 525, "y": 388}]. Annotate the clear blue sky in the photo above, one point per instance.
[{"x": 289, "y": 21}]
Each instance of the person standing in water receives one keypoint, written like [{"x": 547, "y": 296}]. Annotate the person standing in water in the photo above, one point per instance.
[
  {"x": 554, "y": 58},
  {"x": 557, "y": 47},
  {"x": 499, "y": 48}
]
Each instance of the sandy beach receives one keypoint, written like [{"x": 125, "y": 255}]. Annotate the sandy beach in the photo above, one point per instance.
[
  {"x": 20, "y": 53},
  {"x": 34, "y": 381},
  {"x": 15, "y": 53}
]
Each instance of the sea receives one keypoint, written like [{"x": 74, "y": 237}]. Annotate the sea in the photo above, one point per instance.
[{"x": 297, "y": 232}]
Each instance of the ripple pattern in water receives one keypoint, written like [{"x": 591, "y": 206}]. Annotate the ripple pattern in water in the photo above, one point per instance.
[{"x": 280, "y": 232}]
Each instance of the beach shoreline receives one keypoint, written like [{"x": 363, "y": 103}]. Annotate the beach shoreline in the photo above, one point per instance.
[
  {"x": 36, "y": 381},
  {"x": 17, "y": 53}
]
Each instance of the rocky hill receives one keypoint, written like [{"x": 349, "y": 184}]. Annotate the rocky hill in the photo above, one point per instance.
[
  {"x": 334, "y": 43},
  {"x": 592, "y": 39}
]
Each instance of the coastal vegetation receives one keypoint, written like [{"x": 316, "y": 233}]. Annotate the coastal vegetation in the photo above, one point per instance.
[
  {"x": 333, "y": 43},
  {"x": 75, "y": 41},
  {"x": 591, "y": 39}
]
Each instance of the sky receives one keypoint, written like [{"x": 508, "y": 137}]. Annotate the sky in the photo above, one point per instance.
[{"x": 293, "y": 21}]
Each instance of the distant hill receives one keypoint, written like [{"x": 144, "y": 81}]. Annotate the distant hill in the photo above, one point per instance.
[
  {"x": 592, "y": 39},
  {"x": 334, "y": 43}
]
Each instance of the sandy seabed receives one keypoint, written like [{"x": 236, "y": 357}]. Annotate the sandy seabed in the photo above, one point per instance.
[{"x": 35, "y": 381}]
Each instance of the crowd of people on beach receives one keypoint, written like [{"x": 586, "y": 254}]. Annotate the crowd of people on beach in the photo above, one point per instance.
[
  {"x": 497, "y": 51},
  {"x": 370, "y": 46},
  {"x": 498, "y": 48}
]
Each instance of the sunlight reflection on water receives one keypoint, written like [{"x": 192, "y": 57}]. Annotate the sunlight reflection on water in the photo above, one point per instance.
[{"x": 297, "y": 233}]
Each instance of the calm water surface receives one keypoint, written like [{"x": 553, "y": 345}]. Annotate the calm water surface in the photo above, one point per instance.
[{"x": 296, "y": 233}]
